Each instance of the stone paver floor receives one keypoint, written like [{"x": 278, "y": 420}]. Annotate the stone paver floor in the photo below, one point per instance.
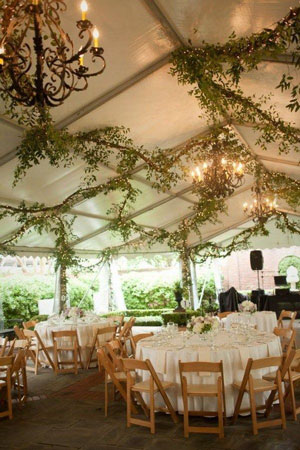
[{"x": 66, "y": 412}]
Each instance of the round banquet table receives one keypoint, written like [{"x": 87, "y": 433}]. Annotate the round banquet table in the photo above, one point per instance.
[
  {"x": 233, "y": 349},
  {"x": 264, "y": 320},
  {"x": 85, "y": 332}
]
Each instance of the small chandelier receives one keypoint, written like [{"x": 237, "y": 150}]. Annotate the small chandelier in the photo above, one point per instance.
[
  {"x": 219, "y": 177},
  {"x": 262, "y": 207},
  {"x": 38, "y": 63}
]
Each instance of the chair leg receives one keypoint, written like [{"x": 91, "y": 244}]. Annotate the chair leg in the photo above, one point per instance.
[
  {"x": 220, "y": 409},
  {"x": 105, "y": 395},
  {"x": 185, "y": 410},
  {"x": 9, "y": 401},
  {"x": 152, "y": 410},
  {"x": 253, "y": 407},
  {"x": 293, "y": 400},
  {"x": 128, "y": 402},
  {"x": 36, "y": 361},
  {"x": 75, "y": 360},
  {"x": 281, "y": 402},
  {"x": 238, "y": 406}
]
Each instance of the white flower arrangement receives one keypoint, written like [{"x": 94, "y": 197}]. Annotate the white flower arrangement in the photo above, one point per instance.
[
  {"x": 247, "y": 306},
  {"x": 200, "y": 324},
  {"x": 73, "y": 313}
]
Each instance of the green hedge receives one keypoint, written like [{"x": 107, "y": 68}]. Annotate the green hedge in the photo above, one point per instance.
[
  {"x": 137, "y": 312},
  {"x": 180, "y": 318},
  {"x": 150, "y": 321}
]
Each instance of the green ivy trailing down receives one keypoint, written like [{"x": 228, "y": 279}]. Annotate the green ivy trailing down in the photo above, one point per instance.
[{"x": 214, "y": 73}]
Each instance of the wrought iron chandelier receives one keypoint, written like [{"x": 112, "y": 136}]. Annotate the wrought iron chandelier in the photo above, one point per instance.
[
  {"x": 38, "y": 63},
  {"x": 219, "y": 177},
  {"x": 262, "y": 207}
]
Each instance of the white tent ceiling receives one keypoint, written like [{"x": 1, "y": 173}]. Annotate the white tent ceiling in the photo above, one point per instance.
[{"x": 137, "y": 91}]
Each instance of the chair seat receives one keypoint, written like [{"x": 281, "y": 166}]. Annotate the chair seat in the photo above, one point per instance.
[
  {"x": 202, "y": 389},
  {"x": 121, "y": 376},
  {"x": 272, "y": 375},
  {"x": 259, "y": 385},
  {"x": 144, "y": 386}
]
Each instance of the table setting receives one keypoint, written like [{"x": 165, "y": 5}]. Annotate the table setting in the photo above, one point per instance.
[
  {"x": 205, "y": 340},
  {"x": 248, "y": 315},
  {"x": 85, "y": 322}
]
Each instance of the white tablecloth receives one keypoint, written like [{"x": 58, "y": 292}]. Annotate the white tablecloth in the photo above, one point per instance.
[
  {"x": 233, "y": 349},
  {"x": 85, "y": 332},
  {"x": 264, "y": 320}
]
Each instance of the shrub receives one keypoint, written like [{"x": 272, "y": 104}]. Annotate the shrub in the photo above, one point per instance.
[
  {"x": 139, "y": 295},
  {"x": 20, "y": 297}
]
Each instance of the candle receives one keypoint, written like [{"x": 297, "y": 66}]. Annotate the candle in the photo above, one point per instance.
[
  {"x": 84, "y": 8},
  {"x": 96, "y": 37},
  {"x": 81, "y": 60}
]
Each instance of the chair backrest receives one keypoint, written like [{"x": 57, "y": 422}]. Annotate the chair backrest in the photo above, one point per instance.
[
  {"x": 21, "y": 344},
  {"x": 19, "y": 332},
  {"x": 3, "y": 343},
  {"x": 29, "y": 334},
  {"x": 287, "y": 315},
  {"x": 11, "y": 347},
  {"x": 110, "y": 331},
  {"x": 138, "y": 337},
  {"x": 118, "y": 320},
  {"x": 134, "y": 364},
  {"x": 126, "y": 330},
  {"x": 114, "y": 351},
  {"x": 19, "y": 361},
  {"x": 287, "y": 338},
  {"x": 263, "y": 363},
  {"x": 223, "y": 315},
  {"x": 6, "y": 362},
  {"x": 30, "y": 324},
  {"x": 199, "y": 366}
]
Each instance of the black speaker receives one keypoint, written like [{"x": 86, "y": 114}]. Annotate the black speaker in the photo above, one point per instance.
[{"x": 256, "y": 260}]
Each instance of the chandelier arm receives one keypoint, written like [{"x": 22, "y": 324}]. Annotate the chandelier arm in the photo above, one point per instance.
[{"x": 84, "y": 49}]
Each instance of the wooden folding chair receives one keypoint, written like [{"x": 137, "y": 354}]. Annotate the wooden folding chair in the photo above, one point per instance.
[
  {"x": 150, "y": 386},
  {"x": 119, "y": 321},
  {"x": 291, "y": 315},
  {"x": 30, "y": 324},
  {"x": 215, "y": 389},
  {"x": 101, "y": 337},
  {"x": 66, "y": 341},
  {"x": 126, "y": 333},
  {"x": 3, "y": 344},
  {"x": 135, "y": 339},
  {"x": 252, "y": 385},
  {"x": 36, "y": 346},
  {"x": 19, "y": 332},
  {"x": 115, "y": 375},
  {"x": 19, "y": 375},
  {"x": 287, "y": 339},
  {"x": 6, "y": 363},
  {"x": 290, "y": 374}
]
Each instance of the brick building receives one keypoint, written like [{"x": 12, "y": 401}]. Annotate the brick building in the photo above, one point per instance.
[{"x": 236, "y": 270}]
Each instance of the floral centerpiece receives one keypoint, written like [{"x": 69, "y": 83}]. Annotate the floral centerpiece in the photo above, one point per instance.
[
  {"x": 73, "y": 313},
  {"x": 200, "y": 324},
  {"x": 248, "y": 306}
]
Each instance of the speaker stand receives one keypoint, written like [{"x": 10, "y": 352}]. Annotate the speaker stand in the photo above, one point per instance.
[{"x": 258, "y": 282}]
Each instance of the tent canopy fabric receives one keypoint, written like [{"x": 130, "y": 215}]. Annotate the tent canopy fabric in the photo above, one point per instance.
[{"x": 137, "y": 91}]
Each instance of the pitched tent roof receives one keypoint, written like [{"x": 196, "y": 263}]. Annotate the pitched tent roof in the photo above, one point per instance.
[{"x": 137, "y": 91}]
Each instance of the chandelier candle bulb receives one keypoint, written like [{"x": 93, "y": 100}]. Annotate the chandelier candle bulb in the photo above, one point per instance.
[
  {"x": 1, "y": 53},
  {"x": 84, "y": 8},
  {"x": 96, "y": 37}
]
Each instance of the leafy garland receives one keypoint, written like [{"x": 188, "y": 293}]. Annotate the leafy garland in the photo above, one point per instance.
[{"x": 214, "y": 73}]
